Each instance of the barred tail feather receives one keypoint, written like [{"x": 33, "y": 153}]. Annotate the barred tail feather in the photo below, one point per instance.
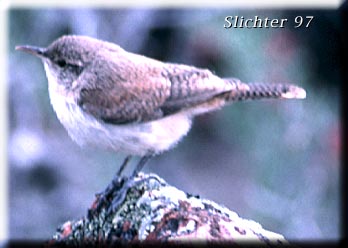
[{"x": 251, "y": 91}]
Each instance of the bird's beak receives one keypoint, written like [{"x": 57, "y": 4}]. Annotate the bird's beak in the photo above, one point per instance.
[{"x": 37, "y": 51}]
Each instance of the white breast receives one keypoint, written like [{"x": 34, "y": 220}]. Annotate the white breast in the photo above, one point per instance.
[{"x": 136, "y": 139}]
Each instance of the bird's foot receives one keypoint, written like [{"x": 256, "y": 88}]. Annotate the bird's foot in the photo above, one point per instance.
[
  {"x": 103, "y": 198},
  {"x": 112, "y": 198},
  {"x": 117, "y": 190},
  {"x": 120, "y": 196}
]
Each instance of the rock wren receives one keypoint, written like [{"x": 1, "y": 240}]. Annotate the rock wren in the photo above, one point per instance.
[{"x": 125, "y": 102}]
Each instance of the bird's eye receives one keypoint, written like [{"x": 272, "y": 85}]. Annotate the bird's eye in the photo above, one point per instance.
[{"x": 61, "y": 63}]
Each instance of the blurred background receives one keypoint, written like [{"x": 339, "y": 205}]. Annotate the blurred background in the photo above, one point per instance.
[{"x": 275, "y": 162}]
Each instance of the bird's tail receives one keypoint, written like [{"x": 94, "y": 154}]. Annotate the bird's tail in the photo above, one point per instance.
[{"x": 252, "y": 91}]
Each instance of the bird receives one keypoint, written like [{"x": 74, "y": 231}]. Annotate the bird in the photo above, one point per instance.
[{"x": 125, "y": 102}]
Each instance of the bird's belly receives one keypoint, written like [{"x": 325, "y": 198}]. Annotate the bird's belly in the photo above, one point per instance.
[{"x": 136, "y": 139}]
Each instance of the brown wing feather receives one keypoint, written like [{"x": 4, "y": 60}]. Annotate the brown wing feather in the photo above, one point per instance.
[
  {"x": 141, "y": 89},
  {"x": 191, "y": 86},
  {"x": 124, "y": 94}
]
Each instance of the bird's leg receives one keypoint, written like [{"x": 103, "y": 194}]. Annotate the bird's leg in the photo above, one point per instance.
[
  {"x": 116, "y": 179},
  {"x": 140, "y": 165},
  {"x": 115, "y": 184},
  {"x": 123, "y": 166},
  {"x": 129, "y": 183},
  {"x": 118, "y": 188}
]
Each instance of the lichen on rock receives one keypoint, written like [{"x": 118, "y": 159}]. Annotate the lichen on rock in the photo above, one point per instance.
[{"x": 156, "y": 211}]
